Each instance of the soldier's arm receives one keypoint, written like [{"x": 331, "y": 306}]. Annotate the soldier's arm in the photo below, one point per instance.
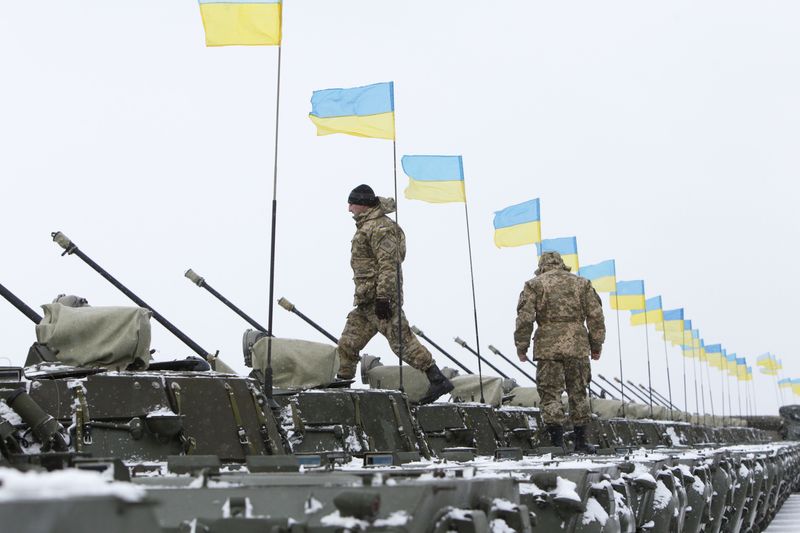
[
  {"x": 526, "y": 315},
  {"x": 594, "y": 318},
  {"x": 384, "y": 245}
]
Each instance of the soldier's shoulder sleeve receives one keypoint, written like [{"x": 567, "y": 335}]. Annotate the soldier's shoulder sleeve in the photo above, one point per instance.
[
  {"x": 595, "y": 321},
  {"x": 526, "y": 315}
]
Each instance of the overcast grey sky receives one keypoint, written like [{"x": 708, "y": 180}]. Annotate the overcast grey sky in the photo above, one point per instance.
[{"x": 663, "y": 135}]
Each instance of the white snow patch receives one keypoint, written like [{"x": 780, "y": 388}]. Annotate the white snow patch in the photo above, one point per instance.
[
  {"x": 352, "y": 443},
  {"x": 348, "y": 522},
  {"x": 744, "y": 471},
  {"x": 61, "y": 484},
  {"x": 504, "y": 505},
  {"x": 594, "y": 513},
  {"x": 498, "y": 525},
  {"x": 9, "y": 414},
  {"x": 397, "y": 518},
  {"x": 566, "y": 489},
  {"x": 662, "y": 496},
  {"x": 530, "y": 488},
  {"x": 313, "y": 505},
  {"x": 673, "y": 437},
  {"x": 161, "y": 411}
]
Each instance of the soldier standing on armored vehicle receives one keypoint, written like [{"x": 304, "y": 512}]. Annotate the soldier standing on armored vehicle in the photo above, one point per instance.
[
  {"x": 561, "y": 303},
  {"x": 377, "y": 250}
]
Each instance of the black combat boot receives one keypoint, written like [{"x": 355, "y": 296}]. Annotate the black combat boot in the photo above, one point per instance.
[
  {"x": 439, "y": 386},
  {"x": 556, "y": 432},
  {"x": 581, "y": 444}
]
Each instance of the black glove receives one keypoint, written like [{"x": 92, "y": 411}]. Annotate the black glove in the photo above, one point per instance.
[{"x": 383, "y": 308}]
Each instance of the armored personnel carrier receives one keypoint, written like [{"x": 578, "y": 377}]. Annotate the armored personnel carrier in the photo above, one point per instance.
[{"x": 94, "y": 436}]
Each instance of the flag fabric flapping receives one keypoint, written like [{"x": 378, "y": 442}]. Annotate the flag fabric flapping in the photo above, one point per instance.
[
  {"x": 785, "y": 383},
  {"x": 628, "y": 296},
  {"x": 796, "y": 386},
  {"x": 361, "y": 111},
  {"x": 241, "y": 22},
  {"x": 434, "y": 178},
  {"x": 651, "y": 313},
  {"x": 518, "y": 224},
  {"x": 566, "y": 246},
  {"x": 602, "y": 275}
]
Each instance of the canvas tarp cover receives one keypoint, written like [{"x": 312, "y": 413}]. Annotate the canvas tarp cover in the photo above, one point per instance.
[
  {"x": 467, "y": 389},
  {"x": 415, "y": 382},
  {"x": 109, "y": 337},
  {"x": 297, "y": 364},
  {"x": 606, "y": 409},
  {"x": 524, "y": 397}
]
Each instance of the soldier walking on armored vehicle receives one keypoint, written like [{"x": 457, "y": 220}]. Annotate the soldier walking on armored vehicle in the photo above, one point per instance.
[
  {"x": 377, "y": 250},
  {"x": 560, "y": 303}
]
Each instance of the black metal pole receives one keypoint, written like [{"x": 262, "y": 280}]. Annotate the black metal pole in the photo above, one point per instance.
[
  {"x": 625, "y": 396},
  {"x": 474, "y": 305},
  {"x": 507, "y": 360},
  {"x": 289, "y": 306},
  {"x": 201, "y": 282},
  {"x": 70, "y": 248},
  {"x": 658, "y": 398},
  {"x": 463, "y": 344},
  {"x": 634, "y": 391},
  {"x": 419, "y": 333},
  {"x": 20, "y": 305},
  {"x": 398, "y": 277}
]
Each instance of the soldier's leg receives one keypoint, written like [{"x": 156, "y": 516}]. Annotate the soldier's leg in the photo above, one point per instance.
[
  {"x": 578, "y": 374},
  {"x": 358, "y": 330},
  {"x": 414, "y": 353},
  {"x": 550, "y": 385}
]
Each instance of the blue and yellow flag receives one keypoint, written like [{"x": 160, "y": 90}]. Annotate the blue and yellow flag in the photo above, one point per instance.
[
  {"x": 714, "y": 355},
  {"x": 651, "y": 314},
  {"x": 566, "y": 246},
  {"x": 361, "y": 111},
  {"x": 518, "y": 224},
  {"x": 628, "y": 296},
  {"x": 785, "y": 383},
  {"x": 241, "y": 22},
  {"x": 434, "y": 178},
  {"x": 602, "y": 275}
]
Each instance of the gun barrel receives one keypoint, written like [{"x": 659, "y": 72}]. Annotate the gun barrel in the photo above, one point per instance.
[
  {"x": 201, "y": 282},
  {"x": 507, "y": 360},
  {"x": 289, "y": 306},
  {"x": 463, "y": 344},
  {"x": 617, "y": 388},
  {"x": 70, "y": 248},
  {"x": 664, "y": 400},
  {"x": 20, "y": 305},
  {"x": 419, "y": 333},
  {"x": 634, "y": 391}
]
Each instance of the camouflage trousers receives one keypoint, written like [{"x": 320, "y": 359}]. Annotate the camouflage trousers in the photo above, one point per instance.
[
  {"x": 553, "y": 377},
  {"x": 362, "y": 325}
]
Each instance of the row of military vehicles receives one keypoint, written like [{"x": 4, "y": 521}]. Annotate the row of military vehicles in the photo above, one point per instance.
[{"x": 94, "y": 436}]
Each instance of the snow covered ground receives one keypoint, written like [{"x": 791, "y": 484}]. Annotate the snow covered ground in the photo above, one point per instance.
[{"x": 788, "y": 519}]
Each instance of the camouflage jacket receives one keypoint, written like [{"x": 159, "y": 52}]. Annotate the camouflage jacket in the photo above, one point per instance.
[
  {"x": 377, "y": 249},
  {"x": 559, "y": 303}
]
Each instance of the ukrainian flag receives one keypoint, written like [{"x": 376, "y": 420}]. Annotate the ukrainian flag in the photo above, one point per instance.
[
  {"x": 566, "y": 246},
  {"x": 361, "y": 111},
  {"x": 652, "y": 312},
  {"x": 749, "y": 375},
  {"x": 741, "y": 369},
  {"x": 714, "y": 355},
  {"x": 241, "y": 22},
  {"x": 602, "y": 275},
  {"x": 628, "y": 296},
  {"x": 785, "y": 383},
  {"x": 796, "y": 386},
  {"x": 434, "y": 178},
  {"x": 518, "y": 224}
]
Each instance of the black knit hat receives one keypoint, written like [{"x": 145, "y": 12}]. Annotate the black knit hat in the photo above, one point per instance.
[{"x": 363, "y": 195}]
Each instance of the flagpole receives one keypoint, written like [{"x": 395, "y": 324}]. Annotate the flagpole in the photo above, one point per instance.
[
  {"x": 619, "y": 347},
  {"x": 647, "y": 343},
  {"x": 710, "y": 392},
  {"x": 666, "y": 361},
  {"x": 728, "y": 383},
  {"x": 683, "y": 358},
  {"x": 722, "y": 384},
  {"x": 738, "y": 390},
  {"x": 398, "y": 277},
  {"x": 474, "y": 304},
  {"x": 268, "y": 376},
  {"x": 694, "y": 375}
]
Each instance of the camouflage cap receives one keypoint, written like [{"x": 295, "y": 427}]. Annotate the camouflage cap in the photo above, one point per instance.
[{"x": 551, "y": 261}]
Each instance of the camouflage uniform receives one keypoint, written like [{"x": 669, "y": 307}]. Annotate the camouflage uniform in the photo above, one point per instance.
[
  {"x": 560, "y": 303},
  {"x": 378, "y": 248}
]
